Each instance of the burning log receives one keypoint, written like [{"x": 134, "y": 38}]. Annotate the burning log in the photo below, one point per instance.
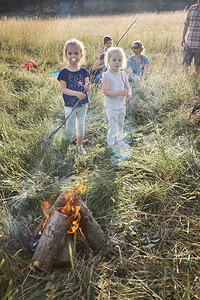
[
  {"x": 56, "y": 245},
  {"x": 91, "y": 229},
  {"x": 63, "y": 259},
  {"x": 52, "y": 241}
]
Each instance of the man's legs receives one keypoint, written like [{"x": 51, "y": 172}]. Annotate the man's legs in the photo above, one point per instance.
[
  {"x": 187, "y": 58},
  {"x": 197, "y": 61}
]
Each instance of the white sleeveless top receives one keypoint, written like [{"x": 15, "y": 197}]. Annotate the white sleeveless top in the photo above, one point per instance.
[{"x": 117, "y": 83}]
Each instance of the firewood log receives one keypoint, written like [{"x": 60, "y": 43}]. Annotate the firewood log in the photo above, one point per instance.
[
  {"x": 51, "y": 242},
  {"x": 63, "y": 259},
  {"x": 53, "y": 246},
  {"x": 91, "y": 228}
]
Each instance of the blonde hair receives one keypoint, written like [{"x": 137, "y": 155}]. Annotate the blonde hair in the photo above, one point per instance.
[
  {"x": 113, "y": 50},
  {"x": 78, "y": 44},
  {"x": 140, "y": 45}
]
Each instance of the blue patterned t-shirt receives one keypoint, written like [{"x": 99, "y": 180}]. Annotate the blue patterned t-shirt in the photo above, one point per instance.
[
  {"x": 139, "y": 69},
  {"x": 75, "y": 81}
]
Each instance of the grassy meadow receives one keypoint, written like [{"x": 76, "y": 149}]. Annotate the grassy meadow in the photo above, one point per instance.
[{"x": 147, "y": 202}]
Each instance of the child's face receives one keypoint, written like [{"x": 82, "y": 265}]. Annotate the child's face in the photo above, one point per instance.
[
  {"x": 115, "y": 61},
  {"x": 73, "y": 54},
  {"x": 108, "y": 44}
]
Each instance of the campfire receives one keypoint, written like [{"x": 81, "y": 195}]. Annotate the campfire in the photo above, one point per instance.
[
  {"x": 67, "y": 225},
  {"x": 45, "y": 208}
]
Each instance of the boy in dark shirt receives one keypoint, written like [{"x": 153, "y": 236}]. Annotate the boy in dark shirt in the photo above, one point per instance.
[{"x": 107, "y": 41}]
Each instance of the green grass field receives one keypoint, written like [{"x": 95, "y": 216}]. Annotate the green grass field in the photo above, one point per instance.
[{"x": 147, "y": 202}]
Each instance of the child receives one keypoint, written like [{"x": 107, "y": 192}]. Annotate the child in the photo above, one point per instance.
[
  {"x": 96, "y": 71},
  {"x": 138, "y": 64},
  {"x": 115, "y": 89},
  {"x": 74, "y": 82},
  {"x": 107, "y": 41}
]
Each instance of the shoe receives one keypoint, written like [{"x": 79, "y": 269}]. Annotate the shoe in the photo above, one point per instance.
[
  {"x": 80, "y": 149},
  {"x": 123, "y": 145}
]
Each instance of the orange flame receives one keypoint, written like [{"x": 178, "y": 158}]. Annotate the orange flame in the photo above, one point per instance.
[
  {"x": 71, "y": 208},
  {"x": 45, "y": 208}
]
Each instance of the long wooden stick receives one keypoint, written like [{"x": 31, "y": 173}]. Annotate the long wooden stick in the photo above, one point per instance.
[{"x": 126, "y": 32}]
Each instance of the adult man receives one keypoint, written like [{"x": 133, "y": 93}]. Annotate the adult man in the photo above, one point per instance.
[{"x": 192, "y": 45}]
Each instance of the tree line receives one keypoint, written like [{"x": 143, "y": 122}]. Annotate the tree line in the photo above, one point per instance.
[{"x": 11, "y": 6}]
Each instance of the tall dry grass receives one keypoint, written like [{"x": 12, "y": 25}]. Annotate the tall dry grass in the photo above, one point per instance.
[{"x": 43, "y": 40}]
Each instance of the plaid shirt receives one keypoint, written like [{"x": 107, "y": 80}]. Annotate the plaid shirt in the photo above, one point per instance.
[{"x": 193, "y": 21}]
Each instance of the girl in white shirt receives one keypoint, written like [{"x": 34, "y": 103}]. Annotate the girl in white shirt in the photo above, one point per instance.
[{"x": 115, "y": 89}]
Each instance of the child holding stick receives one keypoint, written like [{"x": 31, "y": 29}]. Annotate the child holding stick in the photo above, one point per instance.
[
  {"x": 115, "y": 88},
  {"x": 74, "y": 82}
]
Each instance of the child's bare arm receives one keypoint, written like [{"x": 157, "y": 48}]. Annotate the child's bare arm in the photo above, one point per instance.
[
  {"x": 87, "y": 86},
  {"x": 110, "y": 93},
  {"x": 66, "y": 91},
  {"x": 97, "y": 65}
]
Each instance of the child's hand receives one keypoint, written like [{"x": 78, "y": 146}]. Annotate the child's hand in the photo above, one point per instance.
[
  {"x": 80, "y": 95},
  {"x": 102, "y": 66},
  {"x": 123, "y": 93},
  {"x": 87, "y": 87},
  {"x": 129, "y": 96}
]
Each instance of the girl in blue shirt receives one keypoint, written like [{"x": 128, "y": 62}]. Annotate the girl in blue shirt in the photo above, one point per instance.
[
  {"x": 74, "y": 82},
  {"x": 138, "y": 64}
]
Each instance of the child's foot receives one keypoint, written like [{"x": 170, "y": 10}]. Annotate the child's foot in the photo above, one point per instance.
[
  {"x": 121, "y": 144},
  {"x": 80, "y": 149}
]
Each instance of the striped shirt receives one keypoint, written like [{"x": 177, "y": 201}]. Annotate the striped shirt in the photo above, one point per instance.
[{"x": 193, "y": 21}]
